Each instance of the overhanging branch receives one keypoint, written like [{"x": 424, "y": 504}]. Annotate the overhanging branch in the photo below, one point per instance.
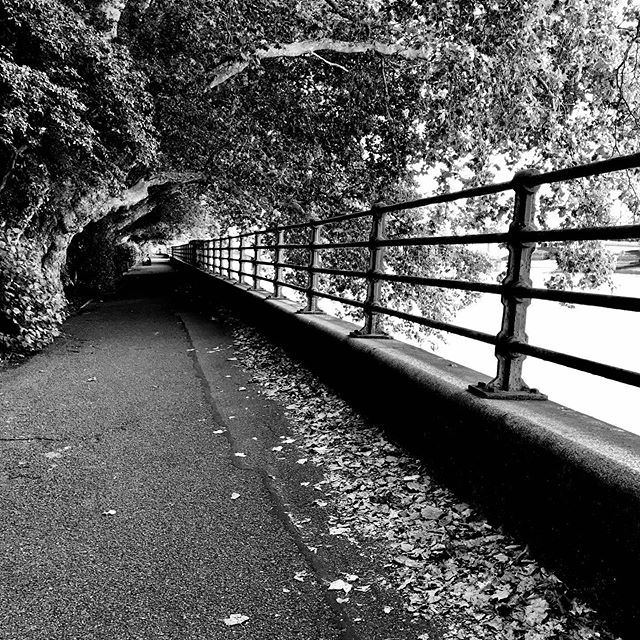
[
  {"x": 140, "y": 191},
  {"x": 11, "y": 163},
  {"x": 228, "y": 70},
  {"x": 141, "y": 198}
]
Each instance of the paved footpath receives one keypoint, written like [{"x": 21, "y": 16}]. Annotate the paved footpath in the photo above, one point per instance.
[{"x": 116, "y": 474}]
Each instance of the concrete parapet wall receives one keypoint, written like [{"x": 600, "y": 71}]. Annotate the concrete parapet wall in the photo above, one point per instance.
[{"x": 565, "y": 482}]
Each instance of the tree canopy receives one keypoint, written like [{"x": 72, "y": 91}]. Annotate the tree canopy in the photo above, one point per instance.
[{"x": 153, "y": 116}]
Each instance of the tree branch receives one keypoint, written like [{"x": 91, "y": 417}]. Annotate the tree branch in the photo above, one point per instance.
[
  {"x": 110, "y": 11},
  {"x": 331, "y": 64},
  {"x": 140, "y": 191},
  {"x": 228, "y": 70},
  {"x": 15, "y": 153},
  {"x": 338, "y": 10}
]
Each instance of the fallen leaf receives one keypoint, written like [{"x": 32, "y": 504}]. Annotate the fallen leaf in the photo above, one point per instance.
[
  {"x": 302, "y": 460},
  {"x": 232, "y": 359},
  {"x": 340, "y": 585},
  {"x": 235, "y": 496},
  {"x": 407, "y": 562},
  {"x": 110, "y": 512},
  {"x": 276, "y": 448},
  {"x": 404, "y": 583},
  {"x": 92, "y": 379},
  {"x": 300, "y": 576},
  {"x": 502, "y": 593},
  {"x": 218, "y": 431},
  {"x": 235, "y": 618},
  {"x": 431, "y": 513},
  {"x": 338, "y": 531},
  {"x": 536, "y": 611},
  {"x": 240, "y": 455}
]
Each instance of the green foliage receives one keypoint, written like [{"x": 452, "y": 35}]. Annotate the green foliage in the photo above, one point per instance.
[
  {"x": 75, "y": 120},
  {"x": 96, "y": 261},
  {"x": 311, "y": 134},
  {"x": 183, "y": 210},
  {"x": 585, "y": 265},
  {"x": 71, "y": 99},
  {"x": 532, "y": 81},
  {"x": 582, "y": 203},
  {"x": 31, "y": 306}
]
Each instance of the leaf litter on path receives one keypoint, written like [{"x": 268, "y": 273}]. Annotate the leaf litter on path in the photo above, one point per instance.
[{"x": 443, "y": 557}]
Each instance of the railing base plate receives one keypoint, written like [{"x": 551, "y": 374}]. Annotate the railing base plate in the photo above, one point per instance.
[
  {"x": 481, "y": 389},
  {"x": 370, "y": 336}
]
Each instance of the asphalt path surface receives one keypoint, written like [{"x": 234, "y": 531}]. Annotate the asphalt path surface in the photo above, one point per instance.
[{"x": 125, "y": 511}]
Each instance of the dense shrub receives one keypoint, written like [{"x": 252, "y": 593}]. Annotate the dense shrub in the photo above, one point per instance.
[
  {"x": 125, "y": 255},
  {"x": 31, "y": 301},
  {"x": 95, "y": 260}
]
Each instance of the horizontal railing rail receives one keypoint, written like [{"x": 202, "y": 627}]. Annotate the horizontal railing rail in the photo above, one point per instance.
[{"x": 267, "y": 249}]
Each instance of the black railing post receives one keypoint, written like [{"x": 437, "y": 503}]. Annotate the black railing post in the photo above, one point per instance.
[
  {"x": 508, "y": 383},
  {"x": 228, "y": 257},
  {"x": 232, "y": 250},
  {"x": 277, "y": 260},
  {"x": 199, "y": 250},
  {"x": 315, "y": 237},
  {"x": 256, "y": 241},
  {"x": 240, "y": 263},
  {"x": 372, "y": 320}
]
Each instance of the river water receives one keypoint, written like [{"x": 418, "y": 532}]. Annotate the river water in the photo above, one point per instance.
[{"x": 604, "y": 335}]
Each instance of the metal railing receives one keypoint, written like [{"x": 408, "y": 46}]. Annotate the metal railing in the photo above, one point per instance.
[{"x": 511, "y": 344}]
